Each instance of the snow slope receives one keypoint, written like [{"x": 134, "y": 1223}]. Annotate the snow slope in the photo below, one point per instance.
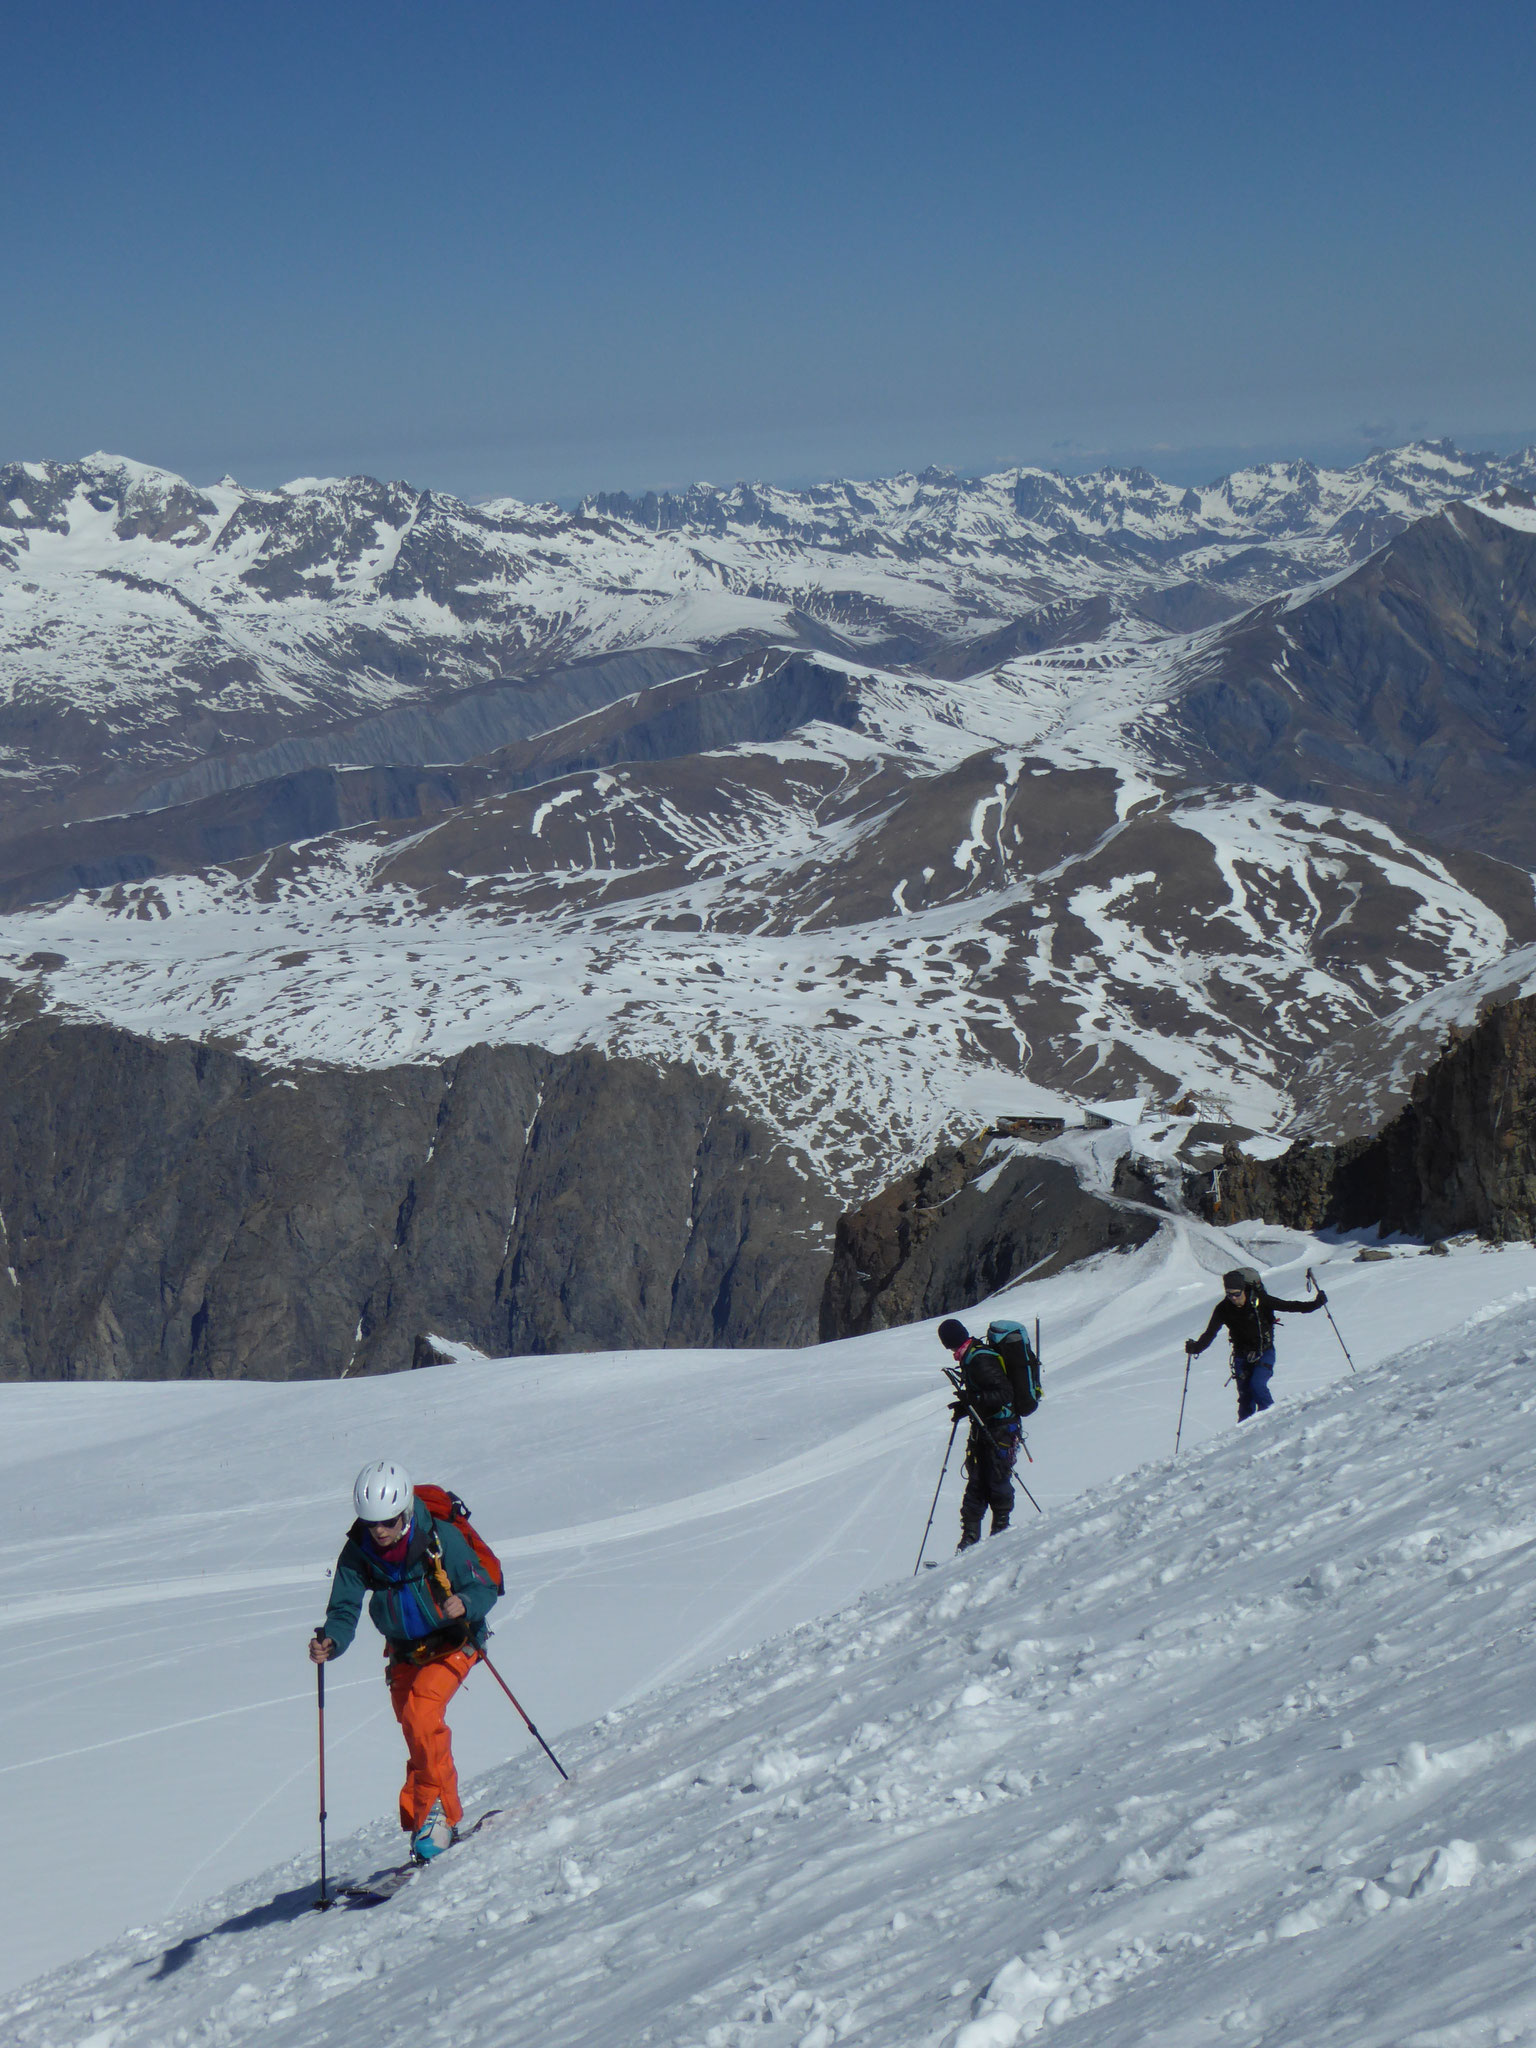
[{"x": 1232, "y": 1749}]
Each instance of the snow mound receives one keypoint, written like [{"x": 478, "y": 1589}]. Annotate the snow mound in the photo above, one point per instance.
[{"x": 1235, "y": 1749}]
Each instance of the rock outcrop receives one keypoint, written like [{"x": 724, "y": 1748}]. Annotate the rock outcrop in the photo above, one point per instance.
[
  {"x": 1461, "y": 1154},
  {"x": 171, "y": 1210},
  {"x": 958, "y": 1229}
]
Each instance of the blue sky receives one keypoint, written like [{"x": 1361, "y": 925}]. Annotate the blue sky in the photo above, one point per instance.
[{"x": 580, "y": 246}]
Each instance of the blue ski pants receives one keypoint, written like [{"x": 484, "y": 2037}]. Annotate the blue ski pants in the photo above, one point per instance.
[{"x": 1253, "y": 1377}]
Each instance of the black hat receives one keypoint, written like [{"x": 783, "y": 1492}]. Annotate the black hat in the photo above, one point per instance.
[
  {"x": 1236, "y": 1278},
  {"x": 953, "y": 1334}
]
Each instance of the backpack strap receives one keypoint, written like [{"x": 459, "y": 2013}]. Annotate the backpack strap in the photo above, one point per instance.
[{"x": 437, "y": 1571}]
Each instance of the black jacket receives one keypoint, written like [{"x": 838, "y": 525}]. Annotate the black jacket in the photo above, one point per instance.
[
  {"x": 987, "y": 1386},
  {"x": 1251, "y": 1323}
]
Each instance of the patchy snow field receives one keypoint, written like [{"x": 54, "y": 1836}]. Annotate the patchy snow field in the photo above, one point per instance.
[
  {"x": 1189, "y": 950},
  {"x": 121, "y": 583},
  {"x": 1230, "y": 1749}
]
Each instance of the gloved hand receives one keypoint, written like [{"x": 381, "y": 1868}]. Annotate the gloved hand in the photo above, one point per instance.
[
  {"x": 959, "y": 1409},
  {"x": 1190, "y": 1346},
  {"x": 1322, "y": 1299}
]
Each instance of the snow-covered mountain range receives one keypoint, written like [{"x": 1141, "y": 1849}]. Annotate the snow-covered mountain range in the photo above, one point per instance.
[
  {"x": 902, "y": 805},
  {"x": 146, "y": 621}
]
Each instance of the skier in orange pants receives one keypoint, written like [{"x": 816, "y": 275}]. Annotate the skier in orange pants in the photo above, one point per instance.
[{"x": 428, "y": 1593}]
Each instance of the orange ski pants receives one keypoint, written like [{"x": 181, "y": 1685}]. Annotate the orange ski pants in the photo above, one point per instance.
[{"x": 420, "y": 1694}]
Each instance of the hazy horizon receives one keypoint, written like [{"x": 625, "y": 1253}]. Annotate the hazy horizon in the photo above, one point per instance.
[{"x": 544, "y": 252}]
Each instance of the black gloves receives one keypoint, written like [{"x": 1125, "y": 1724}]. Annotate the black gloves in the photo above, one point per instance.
[
  {"x": 1190, "y": 1346},
  {"x": 1322, "y": 1299},
  {"x": 959, "y": 1408}
]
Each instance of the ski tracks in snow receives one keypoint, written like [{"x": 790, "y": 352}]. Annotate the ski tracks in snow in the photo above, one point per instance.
[
  {"x": 1232, "y": 1751},
  {"x": 876, "y": 1439}
]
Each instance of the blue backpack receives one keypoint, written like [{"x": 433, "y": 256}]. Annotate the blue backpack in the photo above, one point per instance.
[{"x": 1021, "y": 1362}]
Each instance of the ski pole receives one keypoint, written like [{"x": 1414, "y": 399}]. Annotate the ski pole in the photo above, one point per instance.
[
  {"x": 512, "y": 1696},
  {"x": 936, "y": 1492},
  {"x": 958, "y": 1384},
  {"x": 1328, "y": 1312},
  {"x": 323, "y": 1901},
  {"x": 1189, "y": 1359},
  {"x": 1026, "y": 1492}
]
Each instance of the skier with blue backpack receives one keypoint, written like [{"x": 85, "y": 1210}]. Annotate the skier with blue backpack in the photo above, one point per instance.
[{"x": 997, "y": 1384}]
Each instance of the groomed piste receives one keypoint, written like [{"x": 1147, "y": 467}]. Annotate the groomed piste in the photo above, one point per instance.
[{"x": 1235, "y": 1748}]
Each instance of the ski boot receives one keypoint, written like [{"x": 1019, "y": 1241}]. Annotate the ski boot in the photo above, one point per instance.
[{"x": 433, "y": 1836}]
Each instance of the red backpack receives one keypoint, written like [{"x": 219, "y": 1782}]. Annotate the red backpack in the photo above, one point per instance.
[{"x": 444, "y": 1506}]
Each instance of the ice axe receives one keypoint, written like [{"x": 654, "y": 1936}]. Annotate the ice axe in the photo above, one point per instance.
[{"x": 1328, "y": 1312}]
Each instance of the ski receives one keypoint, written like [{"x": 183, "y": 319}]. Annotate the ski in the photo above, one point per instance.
[
  {"x": 379, "y": 1889},
  {"x": 375, "y": 1890}
]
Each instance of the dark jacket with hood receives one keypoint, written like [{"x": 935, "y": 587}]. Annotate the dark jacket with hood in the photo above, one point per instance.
[
  {"x": 1251, "y": 1322},
  {"x": 405, "y": 1601}
]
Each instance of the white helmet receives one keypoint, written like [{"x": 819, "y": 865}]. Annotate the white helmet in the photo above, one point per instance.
[{"x": 382, "y": 1491}]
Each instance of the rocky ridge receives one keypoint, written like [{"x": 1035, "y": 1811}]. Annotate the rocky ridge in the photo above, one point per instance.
[
  {"x": 1403, "y": 690},
  {"x": 1459, "y": 1156},
  {"x": 972, "y": 1220}
]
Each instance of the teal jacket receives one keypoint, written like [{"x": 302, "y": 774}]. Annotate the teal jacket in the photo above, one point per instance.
[{"x": 405, "y": 1603}]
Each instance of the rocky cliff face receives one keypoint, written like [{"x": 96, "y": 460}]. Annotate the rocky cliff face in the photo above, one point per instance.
[
  {"x": 169, "y": 1210},
  {"x": 1461, "y": 1155},
  {"x": 956, "y": 1230}
]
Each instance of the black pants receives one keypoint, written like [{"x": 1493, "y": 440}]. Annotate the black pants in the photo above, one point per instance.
[{"x": 990, "y": 1456}]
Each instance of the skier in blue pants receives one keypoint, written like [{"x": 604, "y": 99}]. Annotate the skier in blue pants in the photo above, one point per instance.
[{"x": 1247, "y": 1312}]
